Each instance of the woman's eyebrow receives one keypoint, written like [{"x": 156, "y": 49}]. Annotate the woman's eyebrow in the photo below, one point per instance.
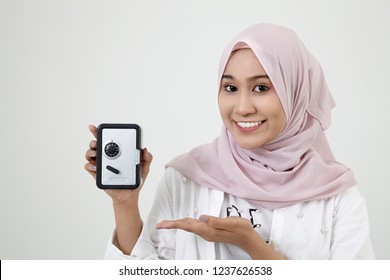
[
  {"x": 230, "y": 77},
  {"x": 258, "y": 77}
]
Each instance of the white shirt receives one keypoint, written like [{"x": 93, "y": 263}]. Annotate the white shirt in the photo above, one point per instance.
[{"x": 333, "y": 228}]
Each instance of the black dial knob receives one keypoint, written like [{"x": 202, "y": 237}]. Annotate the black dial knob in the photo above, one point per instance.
[{"x": 111, "y": 149}]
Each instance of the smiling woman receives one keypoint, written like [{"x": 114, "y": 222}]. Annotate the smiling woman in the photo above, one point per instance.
[
  {"x": 249, "y": 105},
  {"x": 268, "y": 187}
]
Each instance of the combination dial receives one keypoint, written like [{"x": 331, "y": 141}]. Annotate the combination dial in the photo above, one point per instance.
[{"x": 112, "y": 150}]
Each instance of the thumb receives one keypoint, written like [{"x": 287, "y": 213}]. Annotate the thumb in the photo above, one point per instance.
[
  {"x": 212, "y": 221},
  {"x": 145, "y": 163},
  {"x": 228, "y": 223}
]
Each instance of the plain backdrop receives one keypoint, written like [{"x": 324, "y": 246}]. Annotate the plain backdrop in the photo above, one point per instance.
[{"x": 67, "y": 64}]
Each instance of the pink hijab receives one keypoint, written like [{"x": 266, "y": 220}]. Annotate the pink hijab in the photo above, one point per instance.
[{"x": 298, "y": 165}]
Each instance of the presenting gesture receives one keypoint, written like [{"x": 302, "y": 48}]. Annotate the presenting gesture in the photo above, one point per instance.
[{"x": 233, "y": 230}]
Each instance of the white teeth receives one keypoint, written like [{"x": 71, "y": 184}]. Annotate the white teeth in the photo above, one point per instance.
[{"x": 248, "y": 124}]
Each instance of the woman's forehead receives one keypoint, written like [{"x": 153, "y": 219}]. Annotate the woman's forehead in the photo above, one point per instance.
[{"x": 244, "y": 61}]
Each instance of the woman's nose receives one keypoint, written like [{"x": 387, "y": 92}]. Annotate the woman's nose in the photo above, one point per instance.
[{"x": 245, "y": 105}]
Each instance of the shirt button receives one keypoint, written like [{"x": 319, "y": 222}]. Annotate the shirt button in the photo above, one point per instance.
[
  {"x": 196, "y": 210},
  {"x": 324, "y": 231},
  {"x": 300, "y": 215},
  {"x": 184, "y": 179}
]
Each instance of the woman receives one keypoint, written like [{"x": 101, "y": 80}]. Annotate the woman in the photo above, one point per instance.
[{"x": 268, "y": 187}]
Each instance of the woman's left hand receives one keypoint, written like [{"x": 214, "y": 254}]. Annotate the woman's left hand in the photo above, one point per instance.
[{"x": 234, "y": 230}]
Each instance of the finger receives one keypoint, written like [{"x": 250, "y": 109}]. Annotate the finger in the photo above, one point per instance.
[
  {"x": 165, "y": 225},
  {"x": 93, "y": 130},
  {"x": 90, "y": 155},
  {"x": 194, "y": 226},
  {"x": 91, "y": 168},
  {"x": 93, "y": 144},
  {"x": 146, "y": 157},
  {"x": 229, "y": 224},
  {"x": 187, "y": 224}
]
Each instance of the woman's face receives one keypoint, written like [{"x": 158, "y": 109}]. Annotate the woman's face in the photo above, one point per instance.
[{"x": 248, "y": 103}]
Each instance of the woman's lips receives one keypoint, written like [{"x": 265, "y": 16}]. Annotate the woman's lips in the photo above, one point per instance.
[{"x": 249, "y": 126}]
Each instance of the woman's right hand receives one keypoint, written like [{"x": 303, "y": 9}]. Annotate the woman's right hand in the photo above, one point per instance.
[{"x": 118, "y": 196}]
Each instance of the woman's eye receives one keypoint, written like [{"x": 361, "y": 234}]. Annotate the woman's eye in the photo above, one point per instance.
[
  {"x": 260, "y": 88},
  {"x": 230, "y": 88}
]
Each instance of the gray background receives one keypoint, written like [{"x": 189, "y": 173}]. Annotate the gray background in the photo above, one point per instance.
[{"x": 66, "y": 64}]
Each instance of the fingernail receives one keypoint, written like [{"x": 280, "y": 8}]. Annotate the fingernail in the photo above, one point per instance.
[
  {"x": 93, "y": 167},
  {"x": 203, "y": 218}
]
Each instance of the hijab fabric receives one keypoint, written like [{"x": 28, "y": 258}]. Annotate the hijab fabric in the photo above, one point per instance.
[{"x": 298, "y": 165}]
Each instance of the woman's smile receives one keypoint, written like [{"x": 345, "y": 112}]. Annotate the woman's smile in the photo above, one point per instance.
[{"x": 248, "y": 126}]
